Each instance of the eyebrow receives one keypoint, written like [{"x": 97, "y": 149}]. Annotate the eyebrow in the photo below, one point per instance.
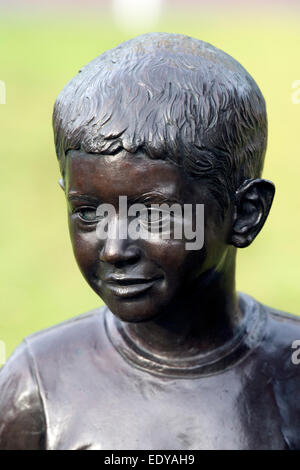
[
  {"x": 75, "y": 196},
  {"x": 150, "y": 197},
  {"x": 154, "y": 197}
]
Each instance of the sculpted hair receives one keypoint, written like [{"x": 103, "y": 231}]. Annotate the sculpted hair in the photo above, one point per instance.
[{"x": 175, "y": 98}]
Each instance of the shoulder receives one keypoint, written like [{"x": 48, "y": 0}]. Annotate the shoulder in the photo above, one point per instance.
[
  {"x": 282, "y": 332},
  {"x": 281, "y": 329},
  {"x": 22, "y": 424},
  {"x": 72, "y": 337},
  {"x": 279, "y": 362},
  {"x": 45, "y": 355}
]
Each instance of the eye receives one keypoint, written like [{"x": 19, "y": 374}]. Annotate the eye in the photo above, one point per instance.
[
  {"x": 154, "y": 219},
  {"x": 87, "y": 214}
]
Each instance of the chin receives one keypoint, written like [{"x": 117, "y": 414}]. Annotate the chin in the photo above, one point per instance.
[{"x": 132, "y": 310}]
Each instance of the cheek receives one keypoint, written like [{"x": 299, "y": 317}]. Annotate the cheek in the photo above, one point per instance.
[
  {"x": 170, "y": 255},
  {"x": 85, "y": 248}
]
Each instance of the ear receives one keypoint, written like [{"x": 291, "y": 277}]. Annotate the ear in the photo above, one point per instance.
[
  {"x": 61, "y": 184},
  {"x": 253, "y": 201}
]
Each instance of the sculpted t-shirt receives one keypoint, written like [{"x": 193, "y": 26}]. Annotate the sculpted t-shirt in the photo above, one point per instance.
[{"x": 83, "y": 384}]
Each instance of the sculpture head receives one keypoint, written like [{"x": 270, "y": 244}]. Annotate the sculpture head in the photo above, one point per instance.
[{"x": 162, "y": 116}]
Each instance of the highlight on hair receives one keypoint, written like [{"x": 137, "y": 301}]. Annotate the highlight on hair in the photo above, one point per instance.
[{"x": 175, "y": 98}]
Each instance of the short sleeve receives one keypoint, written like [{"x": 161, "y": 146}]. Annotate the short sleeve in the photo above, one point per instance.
[
  {"x": 22, "y": 419},
  {"x": 286, "y": 393}
]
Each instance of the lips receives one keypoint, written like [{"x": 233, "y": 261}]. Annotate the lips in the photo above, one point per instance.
[{"x": 129, "y": 287}]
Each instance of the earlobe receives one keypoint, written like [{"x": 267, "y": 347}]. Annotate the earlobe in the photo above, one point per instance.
[
  {"x": 61, "y": 183},
  {"x": 253, "y": 201}
]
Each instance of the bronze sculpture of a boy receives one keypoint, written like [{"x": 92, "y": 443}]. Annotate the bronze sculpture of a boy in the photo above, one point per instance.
[{"x": 176, "y": 359}]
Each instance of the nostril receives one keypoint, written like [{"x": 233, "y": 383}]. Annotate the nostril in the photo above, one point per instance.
[
  {"x": 118, "y": 254},
  {"x": 120, "y": 264}
]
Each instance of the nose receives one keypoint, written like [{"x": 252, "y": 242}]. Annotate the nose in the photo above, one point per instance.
[{"x": 116, "y": 250}]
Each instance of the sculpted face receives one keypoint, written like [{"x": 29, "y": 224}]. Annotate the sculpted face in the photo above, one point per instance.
[{"x": 139, "y": 279}]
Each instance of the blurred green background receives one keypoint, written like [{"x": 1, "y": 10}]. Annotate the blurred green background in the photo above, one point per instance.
[{"x": 40, "y": 51}]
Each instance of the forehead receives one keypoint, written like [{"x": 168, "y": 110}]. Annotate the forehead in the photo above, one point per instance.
[{"x": 108, "y": 176}]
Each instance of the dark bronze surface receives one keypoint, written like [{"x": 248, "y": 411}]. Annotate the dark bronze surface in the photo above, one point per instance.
[{"x": 176, "y": 359}]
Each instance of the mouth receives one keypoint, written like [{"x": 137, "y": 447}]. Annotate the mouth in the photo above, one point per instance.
[{"x": 129, "y": 287}]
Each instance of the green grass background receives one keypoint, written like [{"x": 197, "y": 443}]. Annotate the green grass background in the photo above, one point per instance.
[{"x": 40, "y": 282}]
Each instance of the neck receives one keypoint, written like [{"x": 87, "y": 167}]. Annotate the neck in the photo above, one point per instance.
[{"x": 206, "y": 317}]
